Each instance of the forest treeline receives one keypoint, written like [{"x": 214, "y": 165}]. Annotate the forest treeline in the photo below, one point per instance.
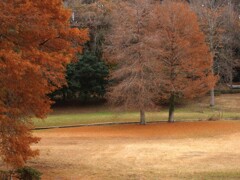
[{"x": 89, "y": 77}]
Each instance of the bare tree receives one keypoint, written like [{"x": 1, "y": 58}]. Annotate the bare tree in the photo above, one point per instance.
[
  {"x": 94, "y": 15},
  {"x": 230, "y": 43},
  {"x": 210, "y": 14}
]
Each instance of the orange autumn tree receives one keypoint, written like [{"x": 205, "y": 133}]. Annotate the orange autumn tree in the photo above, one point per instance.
[
  {"x": 185, "y": 60},
  {"x": 36, "y": 43},
  {"x": 127, "y": 49}
]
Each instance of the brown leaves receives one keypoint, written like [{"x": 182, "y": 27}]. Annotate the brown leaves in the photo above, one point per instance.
[
  {"x": 157, "y": 51},
  {"x": 184, "y": 58},
  {"x": 36, "y": 44},
  {"x": 127, "y": 49},
  {"x": 15, "y": 140}
]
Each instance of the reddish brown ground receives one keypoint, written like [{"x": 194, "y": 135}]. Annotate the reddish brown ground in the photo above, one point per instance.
[
  {"x": 156, "y": 151},
  {"x": 159, "y": 130}
]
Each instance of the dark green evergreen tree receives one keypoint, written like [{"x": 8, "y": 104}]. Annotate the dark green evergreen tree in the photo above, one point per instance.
[{"x": 87, "y": 79}]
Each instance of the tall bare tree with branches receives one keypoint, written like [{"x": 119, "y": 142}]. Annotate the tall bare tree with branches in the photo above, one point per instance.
[
  {"x": 231, "y": 43},
  {"x": 210, "y": 15}
]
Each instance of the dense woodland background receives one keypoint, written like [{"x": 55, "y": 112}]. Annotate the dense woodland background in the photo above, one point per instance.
[{"x": 88, "y": 78}]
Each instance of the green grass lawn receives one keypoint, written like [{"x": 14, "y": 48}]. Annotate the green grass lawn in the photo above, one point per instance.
[{"x": 227, "y": 107}]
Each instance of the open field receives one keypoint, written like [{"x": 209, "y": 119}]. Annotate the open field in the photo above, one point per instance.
[
  {"x": 227, "y": 107},
  {"x": 184, "y": 150}
]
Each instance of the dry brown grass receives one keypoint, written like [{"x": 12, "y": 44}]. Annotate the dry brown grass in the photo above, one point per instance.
[
  {"x": 160, "y": 151},
  {"x": 228, "y": 102}
]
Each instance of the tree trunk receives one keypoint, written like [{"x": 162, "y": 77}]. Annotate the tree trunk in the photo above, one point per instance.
[
  {"x": 171, "y": 108},
  {"x": 142, "y": 117},
  {"x": 63, "y": 96},
  {"x": 231, "y": 73},
  {"x": 212, "y": 100},
  {"x": 231, "y": 80}
]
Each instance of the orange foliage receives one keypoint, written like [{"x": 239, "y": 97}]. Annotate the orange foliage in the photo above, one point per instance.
[
  {"x": 158, "y": 52},
  {"x": 36, "y": 43},
  {"x": 185, "y": 60},
  {"x": 127, "y": 49}
]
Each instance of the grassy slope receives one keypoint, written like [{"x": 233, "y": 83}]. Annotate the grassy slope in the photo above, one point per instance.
[{"x": 227, "y": 107}]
